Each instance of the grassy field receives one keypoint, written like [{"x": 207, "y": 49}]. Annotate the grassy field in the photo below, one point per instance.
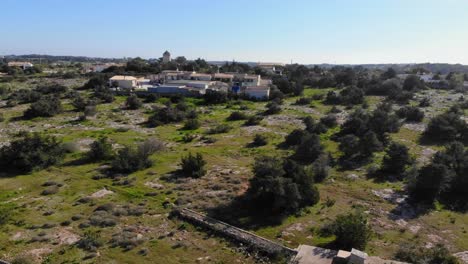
[{"x": 37, "y": 227}]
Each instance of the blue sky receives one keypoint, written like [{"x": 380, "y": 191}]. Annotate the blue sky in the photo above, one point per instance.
[{"x": 304, "y": 31}]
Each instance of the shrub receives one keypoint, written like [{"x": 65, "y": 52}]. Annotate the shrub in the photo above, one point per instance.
[
  {"x": 280, "y": 187},
  {"x": 396, "y": 159},
  {"x": 191, "y": 124},
  {"x": 133, "y": 102},
  {"x": 253, "y": 121},
  {"x": 90, "y": 110},
  {"x": 309, "y": 149},
  {"x": 215, "y": 97},
  {"x": 446, "y": 127},
  {"x": 260, "y": 140},
  {"x": 100, "y": 149},
  {"x": 166, "y": 115},
  {"x": 295, "y": 137},
  {"x": 303, "y": 101},
  {"x": 104, "y": 94},
  {"x": 102, "y": 219},
  {"x": 31, "y": 152},
  {"x": 351, "y": 230},
  {"x": 221, "y": 128},
  {"x": 2, "y": 117},
  {"x": 321, "y": 168},
  {"x": 6, "y": 212},
  {"x": 410, "y": 113},
  {"x": 45, "y": 107},
  {"x": 127, "y": 239},
  {"x": 90, "y": 241},
  {"x": 422, "y": 255},
  {"x": 329, "y": 120},
  {"x": 236, "y": 115},
  {"x": 130, "y": 159},
  {"x": 273, "y": 108},
  {"x": 425, "y": 102},
  {"x": 193, "y": 165},
  {"x": 50, "y": 190}
]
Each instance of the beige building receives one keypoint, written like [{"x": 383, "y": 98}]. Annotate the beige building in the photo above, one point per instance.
[{"x": 123, "y": 82}]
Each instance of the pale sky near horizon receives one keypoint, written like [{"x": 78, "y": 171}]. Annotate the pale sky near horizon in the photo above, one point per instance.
[{"x": 304, "y": 31}]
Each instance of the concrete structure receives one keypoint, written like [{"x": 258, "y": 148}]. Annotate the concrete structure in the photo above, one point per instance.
[
  {"x": 357, "y": 257},
  {"x": 270, "y": 67},
  {"x": 313, "y": 255},
  {"x": 223, "y": 77},
  {"x": 199, "y": 76},
  {"x": 257, "y": 92},
  {"x": 20, "y": 64},
  {"x": 166, "y": 57},
  {"x": 123, "y": 82}
]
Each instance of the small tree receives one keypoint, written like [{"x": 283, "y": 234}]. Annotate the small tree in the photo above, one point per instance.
[
  {"x": 191, "y": 124},
  {"x": 309, "y": 149},
  {"x": 101, "y": 149},
  {"x": 133, "y": 102},
  {"x": 396, "y": 158},
  {"x": 351, "y": 230},
  {"x": 193, "y": 165}
]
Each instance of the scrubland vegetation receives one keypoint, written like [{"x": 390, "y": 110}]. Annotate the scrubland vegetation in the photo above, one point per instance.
[{"x": 339, "y": 158}]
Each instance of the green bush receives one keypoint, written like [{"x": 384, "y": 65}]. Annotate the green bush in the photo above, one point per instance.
[
  {"x": 193, "y": 165},
  {"x": 31, "y": 152},
  {"x": 191, "y": 124},
  {"x": 133, "y": 102},
  {"x": 131, "y": 159},
  {"x": 281, "y": 187},
  {"x": 236, "y": 115},
  {"x": 100, "y": 149},
  {"x": 351, "y": 230},
  {"x": 259, "y": 140},
  {"x": 253, "y": 121},
  {"x": 422, "y": 255},
  {"x": 47, "y": 106},
  {"x": 221, "y": 128}
]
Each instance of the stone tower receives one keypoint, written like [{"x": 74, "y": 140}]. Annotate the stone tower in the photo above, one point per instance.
[{"x": 166, "y": 57}]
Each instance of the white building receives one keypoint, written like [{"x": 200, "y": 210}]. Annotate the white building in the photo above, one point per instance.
[
  {"x": 258, "y": 92},
  {"x": 123, "y": 82},
  {"x": 21, "y": 64}
]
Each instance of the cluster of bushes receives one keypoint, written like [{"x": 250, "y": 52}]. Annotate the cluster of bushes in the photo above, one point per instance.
[
  {"x": 410, "y": 113},
  {"x": 364, "y": 133},
  {"x": 351, "y": 95},
  {"x": 281, "y": 186},
  {"x": 31, "y": 152},
  {"x": 130, "y": 158},
  {"x": 24, "y": 96},
  {"x": 447, "y": 127},
  {"x": 444, "y": 179},
  {"x": 171, "y": 114},
  {"x": 46, "y": 106},
  {"x": 422, "y": 255}
]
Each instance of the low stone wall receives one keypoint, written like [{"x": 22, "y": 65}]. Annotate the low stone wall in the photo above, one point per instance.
[{"x": 256, "y": 242}]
